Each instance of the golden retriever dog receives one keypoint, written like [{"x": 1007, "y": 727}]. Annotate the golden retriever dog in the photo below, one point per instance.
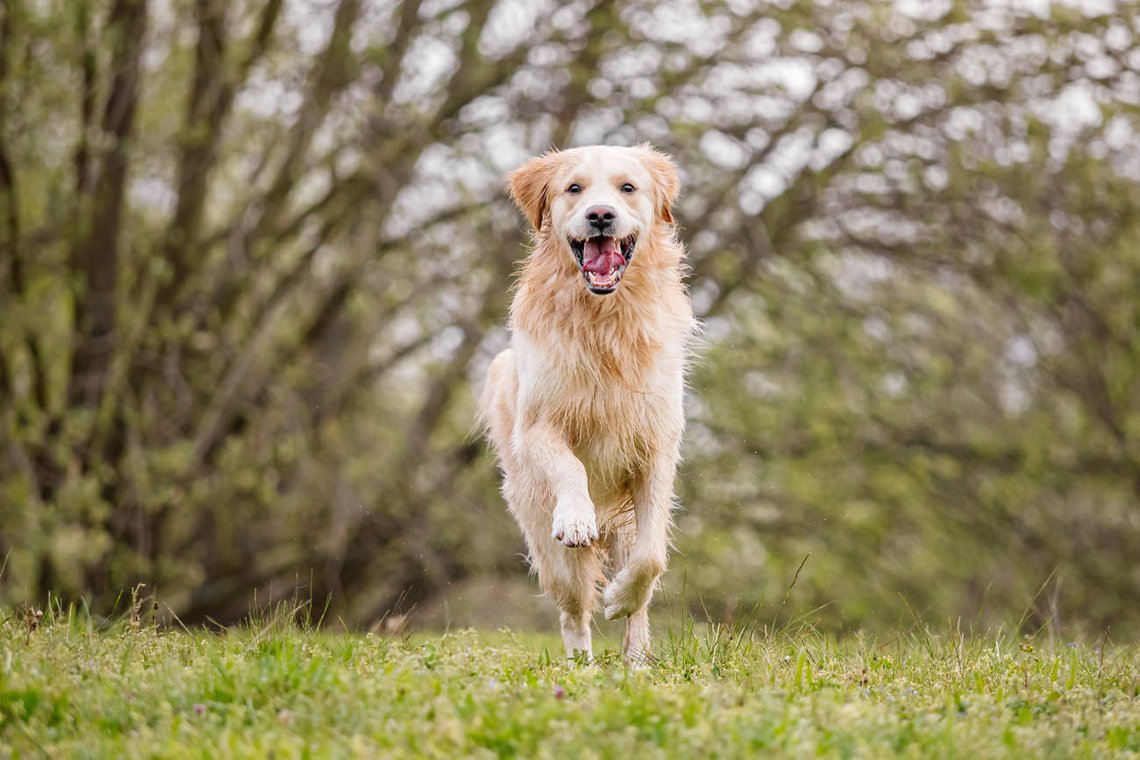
[{"x": 584, "y": 410}]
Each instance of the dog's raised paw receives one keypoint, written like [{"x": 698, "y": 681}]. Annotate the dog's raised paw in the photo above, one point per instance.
[
  {"x": 626, "y": 594},
  {"x": 575, "y": 531}
]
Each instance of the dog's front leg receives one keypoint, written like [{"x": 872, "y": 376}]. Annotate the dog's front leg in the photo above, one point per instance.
[
  {"x": 574, "y": 521},
  {"x": 629, "y": 592},
  {"x": 568, "y": 575}
]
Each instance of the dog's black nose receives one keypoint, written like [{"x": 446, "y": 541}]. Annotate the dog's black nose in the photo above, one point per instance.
[{"x": 600, "y": 216}]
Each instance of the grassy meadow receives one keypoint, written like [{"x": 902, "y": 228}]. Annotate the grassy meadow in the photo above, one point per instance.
[{"x": 70, "y": 687}]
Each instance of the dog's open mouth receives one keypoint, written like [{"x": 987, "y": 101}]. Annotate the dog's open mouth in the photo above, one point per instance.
[{"x": 603, "y": 260}]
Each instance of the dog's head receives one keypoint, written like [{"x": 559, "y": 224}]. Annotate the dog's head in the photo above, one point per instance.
[{"x": 595, "y": 203}]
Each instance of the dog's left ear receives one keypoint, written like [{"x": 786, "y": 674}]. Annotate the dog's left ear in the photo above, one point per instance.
[
  {"x": 529, "y": 187},
  {"x": 665, "y": 179}
]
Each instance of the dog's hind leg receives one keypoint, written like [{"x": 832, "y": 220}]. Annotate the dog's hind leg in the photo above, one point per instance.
[
  {"x": 576, "y": 594},
  {"x": 635, "y": 647},
  {"x": 570, "y": 577}
]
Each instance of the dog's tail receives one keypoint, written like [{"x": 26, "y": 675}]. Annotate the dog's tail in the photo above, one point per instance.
[{"x": 497, "y": 378}]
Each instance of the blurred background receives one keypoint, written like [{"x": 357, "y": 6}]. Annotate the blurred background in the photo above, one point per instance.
[{"x": 255, "y": 259}]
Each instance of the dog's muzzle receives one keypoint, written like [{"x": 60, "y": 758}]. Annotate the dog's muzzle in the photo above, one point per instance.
[{"x": 603, "y": 260}]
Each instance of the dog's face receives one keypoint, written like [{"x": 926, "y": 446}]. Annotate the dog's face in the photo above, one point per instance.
[{"x": 596, "y": 203}]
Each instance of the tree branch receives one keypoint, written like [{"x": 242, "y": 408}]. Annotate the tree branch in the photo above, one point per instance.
[
  {"x": 330, "y": 75},
  {"x": 211, "y": 98},
  {"x": 95, "y": 257}
]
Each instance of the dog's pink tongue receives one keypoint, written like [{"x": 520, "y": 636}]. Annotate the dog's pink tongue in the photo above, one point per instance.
[{"x": 601, "y": 255}]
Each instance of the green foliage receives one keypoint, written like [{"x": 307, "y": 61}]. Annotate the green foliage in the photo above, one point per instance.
[
  {"x": 75, "y": 688},
  {"x": 894, "y": 432}
]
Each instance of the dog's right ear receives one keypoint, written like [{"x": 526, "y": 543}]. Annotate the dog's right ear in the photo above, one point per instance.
[{"x": 529, "y": 187}]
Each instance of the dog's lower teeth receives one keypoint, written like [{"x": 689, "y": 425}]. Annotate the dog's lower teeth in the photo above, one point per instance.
[{"x": 599, "y": 281}]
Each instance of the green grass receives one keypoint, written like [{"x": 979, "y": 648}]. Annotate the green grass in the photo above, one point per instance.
[{"x": 68, "y": 689}]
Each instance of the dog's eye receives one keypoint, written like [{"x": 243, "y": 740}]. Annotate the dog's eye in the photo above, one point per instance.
[
  {"x": 627, "y": 188},
  {"x": 574, "y": 189}
]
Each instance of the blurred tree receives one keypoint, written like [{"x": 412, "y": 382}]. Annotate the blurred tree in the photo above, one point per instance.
[{"x": 254, "y": 256}]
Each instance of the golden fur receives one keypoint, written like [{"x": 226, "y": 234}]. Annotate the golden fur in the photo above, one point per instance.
[{"x": 584, "y": 410}]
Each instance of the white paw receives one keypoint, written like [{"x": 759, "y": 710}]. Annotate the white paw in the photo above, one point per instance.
[
  {"x": 574, "y": 529},
  {"x": 626, "y": 594}
]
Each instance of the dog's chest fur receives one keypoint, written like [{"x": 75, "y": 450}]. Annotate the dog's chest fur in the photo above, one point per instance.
[{"x": 606, "y": 373}]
